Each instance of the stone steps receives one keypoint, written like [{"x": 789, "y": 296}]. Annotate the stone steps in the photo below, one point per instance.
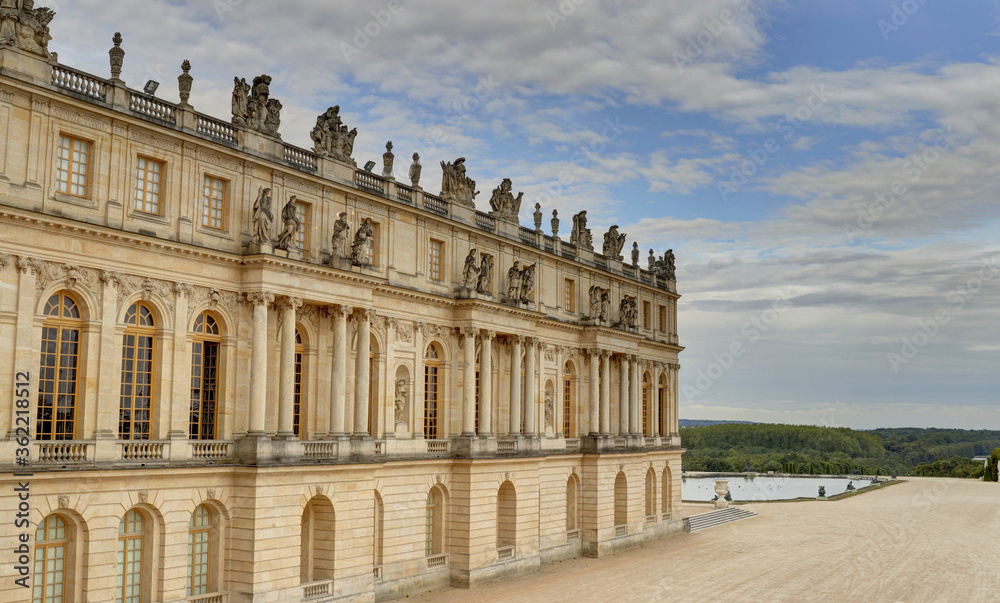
[{"x": 718, "y": 517}]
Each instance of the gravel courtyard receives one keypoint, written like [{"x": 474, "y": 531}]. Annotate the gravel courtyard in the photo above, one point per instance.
[{"x": 928, "y": 539}]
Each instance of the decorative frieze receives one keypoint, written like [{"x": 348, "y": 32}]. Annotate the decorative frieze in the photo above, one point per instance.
[{"x": 84, "y": 120}]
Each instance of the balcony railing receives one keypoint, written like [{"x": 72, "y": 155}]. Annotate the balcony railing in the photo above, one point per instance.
[
  {"x": 210, "y": 598},
  {"x": 151, "y": 107},
  {"x": 319, "y": 450},
  {"x": 435, "y": 204},
  {"x": 526, "y": 235},
  {"x": 79, "y": 82},
  {"x": 437, "y": 561},
  {"x": 486, "y": 222},
  {"x": 63, "y": 452},
  {"x": 214, "y": 128},
  {"x": 505, "y": 552},
  {"x": 621, "y": 531},
  {"x": 506, "y": 446},
  {"x": 300, "y": 157},
  {"x": 144, "y": 450},
  {"x": 315, "y": 590},
  {"x": 369, "y": 181},
  {"x": 572, "y": 444},
  {"x": 211, "y": 450},
  {"x": 404, "y": 193},
  {"x": 437, "y": 446}
]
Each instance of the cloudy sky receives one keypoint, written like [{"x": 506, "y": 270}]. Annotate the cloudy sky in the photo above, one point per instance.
[{"x": 825, "y": 171}]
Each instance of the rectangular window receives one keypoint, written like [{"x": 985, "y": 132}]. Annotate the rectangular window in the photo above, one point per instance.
[
  {"x": 302, "y": 213},
  {"x": 214, "y": 205},
  {"x": 569, "y": 295},
  {"x": 434, "y": 267},
  {"x": 71, "y": 166},
  {"x": 646, "y": 311},
  {"x": 663, "y": 319},
  {"x": 147, "y": 185},
  {"x": 371, "y": 251}
]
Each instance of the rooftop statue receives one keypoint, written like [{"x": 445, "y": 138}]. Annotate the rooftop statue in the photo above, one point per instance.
[
  {"x": 262, "y": 216},
  {"x": 387, "y": 160},
  {"x": 415, "y": 169},
  {"x": 455, "y": 185},
  {"x": 613, "y": 243},
  {"x": 331, "y": 138},
  {"x": 253, "y": 106},
  {"x": 504, "y": 204},
  {"x": 635, "y": 255},
  {"x": 24, "y": 26},
  {"x": 581, "y": 236}
]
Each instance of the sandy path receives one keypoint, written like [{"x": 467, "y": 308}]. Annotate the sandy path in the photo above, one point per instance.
[{"x": 923, "y": 540}]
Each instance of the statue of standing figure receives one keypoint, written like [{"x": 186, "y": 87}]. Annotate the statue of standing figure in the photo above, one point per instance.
[
  {"x": 605, "y": 305},
  {"x": 341, "y": 234},
  {"x": 387, "y": 160},
  {"x": 262, "y": 216},
  {"x": 399, "y": 402},
  {"x": 635, "y": 255},
  {"x": 485, "y": 275},
  {"x": 595, "y": 302},
  {"x": 470, "y": 272},
  {"x": 415, "y": 169},
  {"x": 455, "y": 185},
  {"x": 362, "y": 239},
  {"x": 503, "y": 202},
  {"x": 581, "y": 236},
  {"x": 527, "y": 283},
  {"x": 613, "y": 243},
  {"x": 291, "y": 223},
  {"x": 514, "y": 282}
]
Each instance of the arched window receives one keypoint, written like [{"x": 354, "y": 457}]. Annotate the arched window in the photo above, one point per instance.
[
  {"x": 572, "y": 503},
  {"x": 647, "y": 394},
  {"x": 666, "y": 488},
  {"x": 379, "y": 529},
  {"x": 478, "y": 356},
  {"x": 200, "y": 566},
  {"x": 506, "y": 515},
  {"x": 650, "y": 493},
  {"x": 661, "y": 399},
  {"x": 621, "y": 499},
  {"x": 373, "y": 387},
  {"x": 132, "y": 558},
  {"x": 432, "y": 368},
  {"x": 568, "y": 400},
  {"x": 434, "y": 522},
  {"x": 52, "y": 561},
  {"x": 317, "y": 540},
  {"x": 135, "y": 411},
  {"x": 297, "y": 411},
  {"x": 204, "y": 378},
  {"x": 57, "y": 384}
]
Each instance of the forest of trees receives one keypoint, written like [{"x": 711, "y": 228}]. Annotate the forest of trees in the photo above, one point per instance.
[{"x": 838, "y": 450}]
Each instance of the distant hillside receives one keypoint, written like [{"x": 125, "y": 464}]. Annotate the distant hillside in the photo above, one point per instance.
[
  {"x": 707, "y": 422},
  {"x": 737, "y": 446}
]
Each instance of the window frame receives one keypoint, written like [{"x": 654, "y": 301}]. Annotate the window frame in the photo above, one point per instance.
[
  {"x": 159, "y": 183},
  {"x": 207, "y": 202},
  {"x": 435, "y": 261},
  {"x": 569, "y": 295},
  {"x": 73, "y": 138},
  {"x": 61, "y": 324},
  {"x": 303, "y": 211},
  {"x": 193, "y": 566},
  {"x": 204, "y": 339},
  {"x": 432, "y": 396},
  {"x": 138, "y": 331}
]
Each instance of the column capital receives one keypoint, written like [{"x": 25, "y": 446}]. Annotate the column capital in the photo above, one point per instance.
[
  {"x": 365, "y": 314},
  {"x": 260, "y": 298},
  {"x": 340, "y": 310},
  {"x": 289, "y": 303},
  {"x": 606, "y": 354},
  {"x": 468, "y": 331},
  {"x": 487, "y": 334},
  {"x": 592, "y": 352}
]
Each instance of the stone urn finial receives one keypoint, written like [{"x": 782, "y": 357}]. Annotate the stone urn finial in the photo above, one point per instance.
[
  {"x": 184, "y": 81},
  {"x": 721, "y": 489},
  {"x": 117, "y": 55}
]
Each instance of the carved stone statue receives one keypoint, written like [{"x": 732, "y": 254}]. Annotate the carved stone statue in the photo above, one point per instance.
[
  {"x": 400, "y": 401},
  {"x": 504, "y": 204},
  {"x": 455, "y": 185},
  {"x": 555, "y": 223},
  {"x": 341, "y": 235},
  {"x": 527, "y": 283},
  {"x": 262, "y": 216},
  {"x": 254, "y": 108},
  {"x": 628, "y": 311},
  {"x": 668, "y": 260},
  {"x": 652, "y": 260},
  {"x": 538, "y": 217},
  {"x": 291, "y": 223},
  {"x": 485, "y": 274},
  {"x": 387, "y": 159},
  {"x": 331, "y": 138},
  {"x": 822, "y": 492},
  {"x": 550, "y": 410},
  {"x": 514, "y": 282},
  {"x": 635, "y": 255},
  {"x": 359, "y": 248},
  {"x": 613, "y": 243},
  {"x": 581, "y": 236},
  {"x": 470, "y": 272},
  {"x": 117, "y": 56},
  {"x": 595, "y": 302},
  {"x": 605, "y": 305},
  {"x": 24, "y": 26},
  {"x": 415, "y": 168}
]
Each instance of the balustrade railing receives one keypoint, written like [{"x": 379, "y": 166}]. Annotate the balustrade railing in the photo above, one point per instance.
[
  {"x": 142, "y": 451},
  {"x": 151, "y": 107},
  {"x": 506, "y": 446},
  {"x": 437, "y": 561},
  {"x": 572, "y": 444},
  {"x": 79, "y": 82},
  {"x": 435, "y": 204},
  {"x": 486, "y": 222},
  {"x": 211, "y": 598},
  {"x": 505, "y": 552},
  {"x": 369, "y": 181},
  {"x": 210, "y": 450},
  {"x": 319, "y": 450},
  {"x": 404, "y": 193},
  {"x": 315, "y": 590},
  {"x": 377, "y": 573},
  {"x": 63, "y": 452},
  {"x": 650, "y": 519},
  {"x": 569, "y": 251},
  {"x": 214, "y": 128},
  {"x": 621, "y": 531},
  {"x": 379, "y": 447},
  {"x": 438, "y": 446},
  {"x": 300, "y": 157},
  {"x": 526, "y": 235}
]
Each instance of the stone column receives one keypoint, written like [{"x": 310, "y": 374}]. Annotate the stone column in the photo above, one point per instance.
[
  {"x": 258, "y": 362},
  {"x": 635, "y": 401},
  {"x": 286, "y": 383},
  {"x": 338, "y": 383},
  {"x": 469, "y": 382},
  {"x": 595, "y": 391},
  {"x": 605, "y": 393},
  {"x": 515, "y": 385},
  {"x": 623, "y": 394},
  {"x": 361, "y": 371},
  {"x": 486, "y": 383},
  {"x": 529, "y": 386}
]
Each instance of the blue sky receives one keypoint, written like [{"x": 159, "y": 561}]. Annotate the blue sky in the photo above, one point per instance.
[{"x": 825, "y": 171}]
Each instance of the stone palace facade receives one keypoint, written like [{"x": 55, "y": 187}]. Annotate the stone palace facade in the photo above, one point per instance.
[{"x": 237, "y": 370}]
